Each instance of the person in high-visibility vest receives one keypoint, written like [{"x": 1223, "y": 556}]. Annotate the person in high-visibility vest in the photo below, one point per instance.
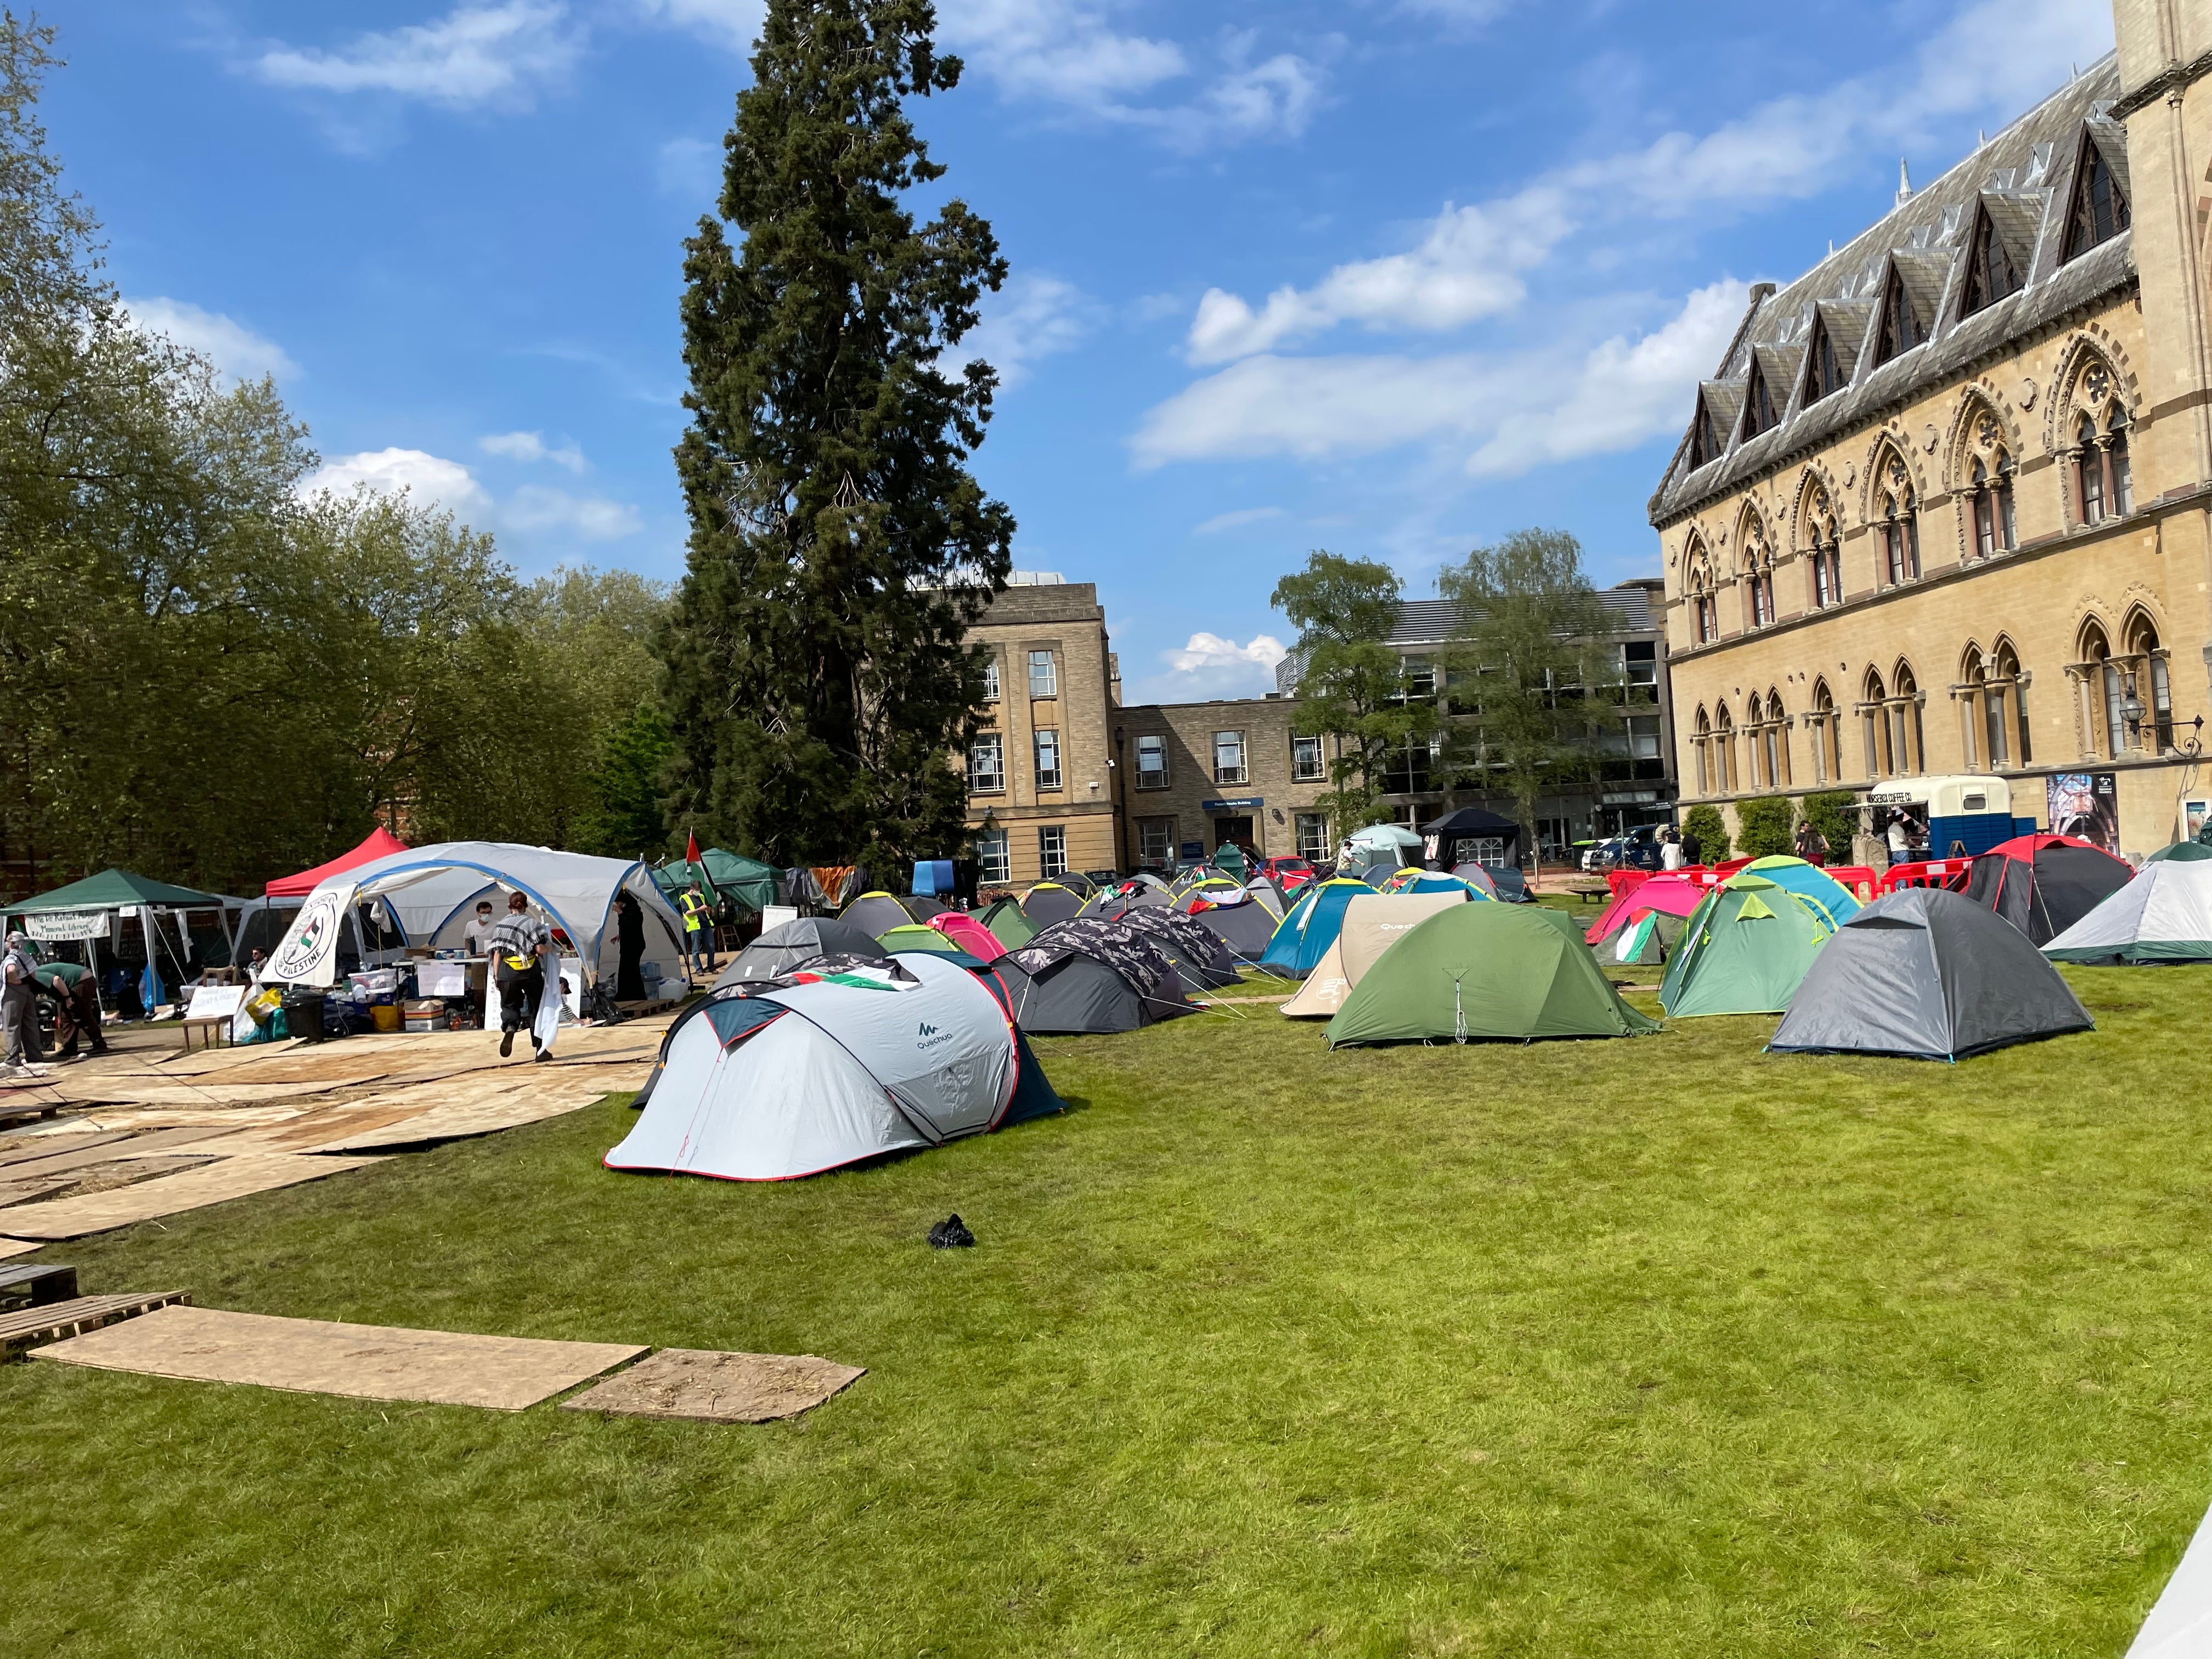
[{"x": 698, "y": 927}]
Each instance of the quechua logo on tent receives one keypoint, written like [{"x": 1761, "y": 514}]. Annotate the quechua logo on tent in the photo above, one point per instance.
[{"x": 929, "y": 1037}]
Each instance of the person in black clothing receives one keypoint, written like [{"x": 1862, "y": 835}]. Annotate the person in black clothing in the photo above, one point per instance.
[
  {"x": 629, "y": 938},
  {"x": 519, "y": 946},
  {"x": 1693, "y": 850},
  {"x": 75, "y": 996}
]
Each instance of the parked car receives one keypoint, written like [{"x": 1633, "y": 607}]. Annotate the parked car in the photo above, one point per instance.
[
  {"x": 1637, "y": 850},
  {"x": 1288, "y": 873}
]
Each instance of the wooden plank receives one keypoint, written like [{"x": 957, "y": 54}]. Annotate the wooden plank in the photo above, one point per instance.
[
  {"x": 719, "y": 1388},
  {"x": 33, "y": 1328},
  {"x": 117, "y": 1146},
  {"x": 462, "y": 1120},
  {"x": 51, "y": 1146},
  {"x": 212, "y": 1183},
  {"x": 366, "y": 1362},
  {"x": 19, "y": 1247}
]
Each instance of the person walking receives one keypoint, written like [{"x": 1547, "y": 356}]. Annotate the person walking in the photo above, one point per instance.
[
  {"x": 75, "y": 996},
  {"x": 1812, "y": 845},
  {"x": 630, "y": 939},
  {"x": 521, "y": 944},
  {"x": 19, "y": 1011},
  {"x": 1693, "y": 850},
  {"x": 698, "y": 928},
  {"x": 1670, "y": 849}
]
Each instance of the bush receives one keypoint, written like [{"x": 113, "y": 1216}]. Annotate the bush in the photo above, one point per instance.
[
  {"x": 1763, "y": 827},
  {"x": 1706, "y": 823},
  {"x": 1833, "y": 816}
]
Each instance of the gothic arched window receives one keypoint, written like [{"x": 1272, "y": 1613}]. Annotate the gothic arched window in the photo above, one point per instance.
[
  {"x": 1824, "y": 374},
  {"x": 1819, "y": 533},
  {"x": 1759, "y": 415},
  {"x": 1994, "y": 524},
  {"x": 1874, "y": 726},
  {"x": 1900, "y": 523},
  {"x": 2100, "y": 206},
  {"x": 1758, "y": 574},
  {"x": 1820, "y": 732},
  {"x": 2103, "y": 476}
]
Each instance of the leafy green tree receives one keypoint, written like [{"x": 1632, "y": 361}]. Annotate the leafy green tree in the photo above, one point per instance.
[
  {"x": 819, "y": 673},
  {"x": 624, "y": 817},
  {"x": 1763, "y": 828},
  {"x": 1706, "y": 823},
  {"x": 1527, "y": 668},
  {"x": 1353, "y": 689}
]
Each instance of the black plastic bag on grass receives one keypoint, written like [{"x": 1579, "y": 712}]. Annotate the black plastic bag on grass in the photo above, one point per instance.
[{"x": 952, "y": 1234}]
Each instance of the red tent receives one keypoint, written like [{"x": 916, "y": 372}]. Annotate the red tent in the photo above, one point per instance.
[
  {"x": 380, "y": 842},
  {"x": 1674, "y": 893},
  {"x": 2044, "y": 883}
]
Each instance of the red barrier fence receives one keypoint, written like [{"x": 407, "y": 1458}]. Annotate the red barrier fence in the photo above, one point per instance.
[
  {"x": 1862, "y": 879},
  {"x": 1929, "y": 873}
]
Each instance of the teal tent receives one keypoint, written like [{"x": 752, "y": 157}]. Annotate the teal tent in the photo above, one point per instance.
[{"x": 1301, "y": 939}]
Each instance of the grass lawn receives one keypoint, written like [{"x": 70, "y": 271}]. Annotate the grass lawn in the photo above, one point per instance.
[{"x": 1648, "y": 1347}]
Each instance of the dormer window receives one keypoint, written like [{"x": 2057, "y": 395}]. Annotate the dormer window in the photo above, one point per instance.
[
  {"x": 1704, "y": 442},
  {"x": 1990, "y": 274},
  {"x": 2100, "y": 206},
  {"x": 1758, "y": 403},
  {"x": 1900, "y": 323},
  {"x": 1825, "y": 375}
]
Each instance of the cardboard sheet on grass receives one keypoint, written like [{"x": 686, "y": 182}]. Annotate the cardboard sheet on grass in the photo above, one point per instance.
[
  {"x": 211, "y": 1183},
  {"x": 367, "y": 1362},
  {"x": 719, "y": 1388}
]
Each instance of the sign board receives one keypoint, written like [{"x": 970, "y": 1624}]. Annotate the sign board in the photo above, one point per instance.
[
  {"x": 2086, "y": 805},
  {"x": 775, "y": 916},
  {"x": 216, "y": 1001},
  {"x": 2193, "y": 815},
  {"x": 1194, "y": 849},
  {"x": 442, "y": 979},
  {"x": 1239, "y": 804},
  {"x": 68, "y": 924}
]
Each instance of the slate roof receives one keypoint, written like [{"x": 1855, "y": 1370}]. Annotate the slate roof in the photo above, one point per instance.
[{"x": 2023, "y": 178}]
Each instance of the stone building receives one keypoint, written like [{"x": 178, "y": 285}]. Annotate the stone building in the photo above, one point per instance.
[
  {"x": 1197, "y": 774},
  {"x": 1943, "y": 507},
  {"x": 1042, "y": 785}
]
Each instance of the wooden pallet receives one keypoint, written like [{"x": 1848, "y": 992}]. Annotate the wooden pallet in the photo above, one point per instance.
[
  {"x": 26, "y": 1111},
  {"x": 34, "y": 1327}
]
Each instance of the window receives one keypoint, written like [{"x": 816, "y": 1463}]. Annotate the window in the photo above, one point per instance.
[
  {"x": 2122, "y": 491},
  {"x": 1048, "y": 759},
  {"x": 1774, "y": 743},
  {"x": 1554, "y": 836},
  {"x": 991, "y": 860},
  {"x": 1820, "y": 732},
  {"x": 1406, "y": 772},
  {"x": 1724, "y": 751},
  {"x": 1906, "y": 748},
  {"x": 1991, "y": 276},
  {"x": 2149, "y": 682},
  {"x": 1900, "y": 323},
  {"x": 1819, "y": 530},
  {"x": 1152, "y": 762},
  {"x": 1156, "y": 842},
  {"x": 1702, "y": 743},
  {"x": 986, "y": 764},
  {"x": 1697, "y": 584},
  {"x": 1900, "y": 525},
  {"x": 1758, "y": 573},
  {"x": 1709, "y": 619},
  {"x": 1644, "y": 737},
  {"x": 991, "y": 680},
  {"x": 1640, "y": 663},
  {"x": 1704, "y": 437},
  {"x": 1044, "y": 675},
  {"x": 1994, "y": 528},
  {"x": 1419, "y": 677},
  {"x": 1824, "y": 374},
  {"x": 1306, "y": 762},
  {"x": 1052, "y": 850},
  {"x": 1757, "y": 403},
  {"x": 2100, "y": 206},
  {"x": 2104, "y": 481},
  {"x": 2092, "y": 468},
  {"x": 1875, "y": 727},
  {"x": 1313, "y": 836},
  {"x": 1229, "y": 757}
]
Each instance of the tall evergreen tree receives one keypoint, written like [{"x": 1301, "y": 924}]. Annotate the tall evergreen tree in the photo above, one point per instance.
[{"x": 817, "y": 676}]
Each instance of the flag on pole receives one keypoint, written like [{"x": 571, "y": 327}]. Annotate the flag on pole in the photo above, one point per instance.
[{"x": 691, "y": 848}]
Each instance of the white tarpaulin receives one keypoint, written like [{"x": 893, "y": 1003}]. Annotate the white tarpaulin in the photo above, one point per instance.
[
  {"x": 432, "y": 892},
  {"x": 69, "y": 924}
]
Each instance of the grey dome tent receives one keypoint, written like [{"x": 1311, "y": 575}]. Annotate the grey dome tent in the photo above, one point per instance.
[
  {"x": 1123, "y": 897},
  {"x": 1049, "y": 902},
  {"x": 1090, "y": 976},
  {"x": 783, "y": 947},
  {"x": 1200, "y": 957},
  {"x": 1927, "y": 974},
  {"x": 877, "y": 914},
  {"x": 1244, "y": 923}
]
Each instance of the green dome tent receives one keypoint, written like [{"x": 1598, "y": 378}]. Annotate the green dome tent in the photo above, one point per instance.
[
  {"x": 1745, "y": 951},
  {"x": 919, "y": 936},
  {"x": 1008, "y": 923},
  {"x": 1475, "y": 971}
]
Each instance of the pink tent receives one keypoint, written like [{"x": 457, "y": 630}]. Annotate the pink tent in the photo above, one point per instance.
[
  {"x": 1670, "y": 894},
  {"x": 969, "y": 934},
  {"x": 380, "y": 842}
]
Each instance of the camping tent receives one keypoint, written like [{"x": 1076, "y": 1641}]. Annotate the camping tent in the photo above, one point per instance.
[
  {"x": 378, "y": 844},
  {"x": 1305, "y": 934},
  {"x": 1384, "y": 846},
  {"x": 784, "y": 946},
  {"x": 1123, "y": 896},
  {"x": 1809, "y": 882},
  {"x": 2180, "y": 1623},
  {"x": 1202, "y": 959},
  {"x": 1485, "y": 970},
  {"x": 1928, "y": 974},
  {"x": 1007, "y": 922},
  {"x": 920, "y": 936},
  {"x": 969, "y": 934},
  {"x": 2043, "y": 884},
  {"x": 1230, "y": 859},
  {"x": 1410, "y": 880},
  {"x": 1477, "y": 876},
  {"x": 430, "y": 894},
  {"x": 798, "y": 1079},
  {"x": 1265, "y": 893},
  {"x": 1051, "y": 901},
  {"x": 1373, "y": 922},
  {"x": 1745, "y": 951},
  {"x": 1090, "y": 976},
  {"x": 1675, "y": 896},
  {"x": 1242, "y": 922},
  {"x": 93, "y": 909},
  {"x": 2165, "y": 914},
  {"x": 1458, "y": 837},
  {"x": 877, "y": 912}
]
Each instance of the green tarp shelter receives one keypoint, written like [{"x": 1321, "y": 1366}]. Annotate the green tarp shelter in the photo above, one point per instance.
[
  {"x": 1009, "y": 924},
  {"x": 1230, "y": 856},
  {"x": 1475, "y": 971},
  {"x": 752, "y": 885},
  {"x": 111, "y": 888},
  {"x": 1745, "y": 951}
]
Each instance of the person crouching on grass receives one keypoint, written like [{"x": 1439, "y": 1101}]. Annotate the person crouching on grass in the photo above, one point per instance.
[{"x": 519, "y": 946}]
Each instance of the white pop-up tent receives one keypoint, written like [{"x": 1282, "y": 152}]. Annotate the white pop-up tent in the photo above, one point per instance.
[{"x": 431, "y": 892}]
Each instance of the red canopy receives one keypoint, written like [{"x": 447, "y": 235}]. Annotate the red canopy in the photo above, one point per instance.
[{"x": 380, "y": 841}]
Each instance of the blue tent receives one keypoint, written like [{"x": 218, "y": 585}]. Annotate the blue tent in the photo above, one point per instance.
[
  {"x": 1304, "y": 935},
  {"x": 1811, "y": 882},
  {"x": 1436, "y": 881}
]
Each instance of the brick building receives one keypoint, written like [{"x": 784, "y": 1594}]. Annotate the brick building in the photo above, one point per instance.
[{"x": 1196, "y": 774}]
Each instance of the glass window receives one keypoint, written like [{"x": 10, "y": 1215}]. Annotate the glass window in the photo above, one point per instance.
[
  {"x": 990, "y": 681},
  {"x": 1420, "y": 677},
  {"x": 1052, "y": 850},
  {"x": 1640, "y": 658},
  {"x": 1229, "y": 757},
  {"x": 1152, "y": 762},
  {"x": 991, "y": 857},
  {"x": 1313, "y": 836},
  {"x": 986, "y": 764},
  {"x": 1047, "y": 759},
  {"x": 1306, "y": 764},
  {"x": 1044, "y": 677},
  {"x": 1644, "y": 737},
  {"x": 1156, "y": 842}
]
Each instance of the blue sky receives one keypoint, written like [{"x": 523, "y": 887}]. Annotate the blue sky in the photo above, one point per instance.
[{"x": 1387, "y": 276}]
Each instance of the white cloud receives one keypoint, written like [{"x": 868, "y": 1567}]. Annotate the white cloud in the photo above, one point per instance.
[
  {"x": 733, "y": 23},
  {"x": 1060, "y": 51},
  {"x": 232, "y": 347},
  {"x": 1212, "y": 666},
  {"x": 1031, "y": 318},
  {"x": 495, "y": 55},
  {"x": 532, "y": 446},
  {"x": 1467, "y": 267},
  {"x": 588, "y": 518},
  {"x": 426, "y": 477},
  {"x": 1239, "y": 520}
]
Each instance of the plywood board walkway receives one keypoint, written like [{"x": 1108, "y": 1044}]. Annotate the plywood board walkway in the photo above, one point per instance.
[
  {"x": 191, "y": 1189},
  {"x": 367, "y": 1362},
  {"x": 51, "y": 1322},
  {"x": 719, "y": 1388}
]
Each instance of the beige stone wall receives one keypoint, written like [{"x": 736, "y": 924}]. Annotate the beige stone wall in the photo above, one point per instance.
[
  {"x": 1189, "y": 731},
  {"x": 2065, "y": 579}
]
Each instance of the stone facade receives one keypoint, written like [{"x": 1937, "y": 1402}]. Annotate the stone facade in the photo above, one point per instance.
[
  {"x": 1944, "y": 507},
  {"x": 1051, "y": 801},
  {"x": 1197, "y": 773}
]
